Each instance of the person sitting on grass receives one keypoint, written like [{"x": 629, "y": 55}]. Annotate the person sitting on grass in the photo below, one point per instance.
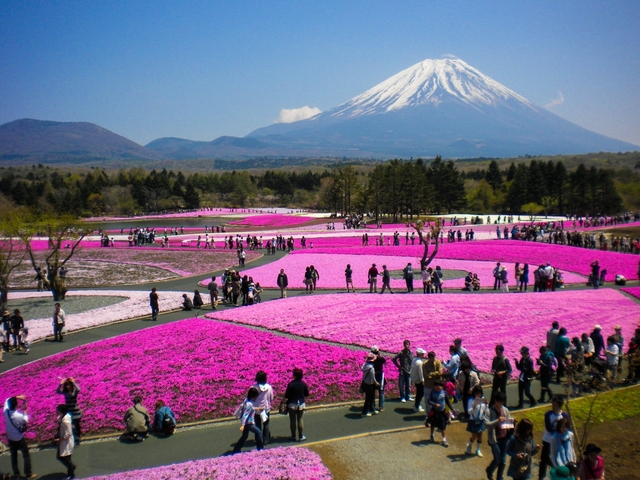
[
  {"x": 187, "y": 304},
  {"x": 136, "y": 420}
]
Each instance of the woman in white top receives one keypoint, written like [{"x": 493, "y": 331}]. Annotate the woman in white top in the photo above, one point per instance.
[
  {"x": 263, "y": 404},
  {"x": 64, "y": 439}
]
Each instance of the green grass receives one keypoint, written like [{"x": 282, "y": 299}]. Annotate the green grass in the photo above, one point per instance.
[{"x": 607, "y": 407}]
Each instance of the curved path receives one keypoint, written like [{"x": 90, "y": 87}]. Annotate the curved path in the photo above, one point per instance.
[{"x": 109, "y": 454}]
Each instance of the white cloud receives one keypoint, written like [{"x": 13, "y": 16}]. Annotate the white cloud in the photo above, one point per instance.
[
  {"x": 450, "y": 56},
  {"x": 555, "y": 101},
  {"x": 290, "y": 115}
]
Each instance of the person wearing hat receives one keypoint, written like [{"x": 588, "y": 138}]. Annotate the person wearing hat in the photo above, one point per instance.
[
  {"x": 527, "y": 372},
  {"x": 619, "y": 341},
  {"x": 378, "y": 367},
  {"x": 372, "y": 278},
  {"x": 598, "y": 341},
  {"x": 560, "y": 473},
  {"x": 592, "y": 465},
  {"x": 417, "y": 378},
  {"x": 368, "y": 386}
]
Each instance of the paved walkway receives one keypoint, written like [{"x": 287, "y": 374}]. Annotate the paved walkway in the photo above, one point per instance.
[{"x": 110, "y": 455}]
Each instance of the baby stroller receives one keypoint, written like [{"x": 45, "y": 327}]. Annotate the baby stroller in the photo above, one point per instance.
[{"x": 596, "y": 377}]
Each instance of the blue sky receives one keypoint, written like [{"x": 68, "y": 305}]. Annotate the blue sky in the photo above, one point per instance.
[{"x": 201, "y": 69}]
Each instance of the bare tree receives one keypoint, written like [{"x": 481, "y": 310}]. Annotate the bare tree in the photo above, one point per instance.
[
  {"x": 12, "y": 249},
  {"x": 434, "y": 227},
  {"x": 64, "y": 235}
]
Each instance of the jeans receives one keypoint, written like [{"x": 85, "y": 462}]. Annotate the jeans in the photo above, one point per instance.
[
  {"x": 264, "y": 427},
  {"x": 14, "y": 447},
  {"x": 249, "y": 428},
  {"x": 57, "y": 331},
  {"x": 404, "y": 385},
  {"x": 499, "y": 385},
  {"x": 154, "y": 312},
  {"x": 381, "y": 380},
  {"x": 499, "y": 451},
  {"x": 295, "y": 419},
  {"x": 369, "y": 398},
  {"x": 419, "y": 394},
  {"x": 524, "y": 388}
]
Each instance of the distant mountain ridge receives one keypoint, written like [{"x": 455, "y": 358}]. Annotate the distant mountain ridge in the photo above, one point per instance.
[
  {"x": 28, "y": 138},
  {"x": 435, "y": 107}
]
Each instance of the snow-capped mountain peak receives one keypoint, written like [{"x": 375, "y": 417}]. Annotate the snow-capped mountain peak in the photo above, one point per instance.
[{"x": 430, "y": 81}]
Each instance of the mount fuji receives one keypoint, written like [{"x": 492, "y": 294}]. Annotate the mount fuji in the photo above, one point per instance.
[{"x": 437, "y": 107}]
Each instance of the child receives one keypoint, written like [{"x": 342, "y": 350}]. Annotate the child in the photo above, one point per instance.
[
  {"x": 247, "y": 421},
  {"x": 24, "y": 334},
  {"x": 256, "y": 293},
  {"x": 452, "y": 394},
  {"x": 478, "y": 415},
  {"x": 438, "y": 416}
]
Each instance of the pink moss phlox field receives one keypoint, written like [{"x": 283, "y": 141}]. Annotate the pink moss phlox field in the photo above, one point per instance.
[
  {"x": 134, "y": 304},
  {"x": 200, "y": 368},
  {"x": 271, "y": 220},
  {"x": 634, "y": 291},
  {"x": 433, "y": 321},
  {"x": 331, "y": 269},
  {"x": 291, "y": 463}
]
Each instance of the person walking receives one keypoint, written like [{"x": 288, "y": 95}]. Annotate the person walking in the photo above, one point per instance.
[
  {"x": 431, "y": 372},
  {"x": 59, "y": 318},
  {"x": 265, "y": 398},
  {"x": 402, "y": 361},
  {"x": 15, "y": 426},
  {"x": 295, "y": 395},
  {"x": 315, "y": 276},
  {"x": 153, "y": 302},
  {"x": 70, "y": 389},
  {"x": 247, "y": 422},
  {"x": 283, "y": 283},
  {"x": 417, "y": 378},
  {"x": 521, "y": 448},
  {"x": 527, "y": 372},
  {"x": 499, "y": 431},
  {"x": 64, "y": 439},
  {"x": 386, "y": 280},
  {"x": 501, "y": 370},
  {"x": 369, "y": 386}
]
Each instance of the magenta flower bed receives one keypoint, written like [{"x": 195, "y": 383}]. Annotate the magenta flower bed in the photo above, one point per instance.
[
  {"x": 635, "y": 291},
  {"x": 331, "y": 269},
  {"x": 290, "y": 463},
  {"x": 433, "y": 321},
  {"x": 201, "y": 369},
  {"x": 271, "y": 220}
]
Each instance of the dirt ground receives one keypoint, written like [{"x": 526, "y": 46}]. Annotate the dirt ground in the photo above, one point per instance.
[{"x": 409, "y": 454}]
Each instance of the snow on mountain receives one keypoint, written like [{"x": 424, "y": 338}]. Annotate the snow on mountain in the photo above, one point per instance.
[{"x": 430, "y": 81}]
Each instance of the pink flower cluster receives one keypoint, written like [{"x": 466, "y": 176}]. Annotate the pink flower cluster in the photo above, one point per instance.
[
  {"x": 331, "y": 269},
  {"x": 200, "y": 368},
  {"x": 635, "y": 291},
  {"x": 433, "y": 321},
  {"x": 271, "y": 220},
  {"x": 291, "y": 463}
]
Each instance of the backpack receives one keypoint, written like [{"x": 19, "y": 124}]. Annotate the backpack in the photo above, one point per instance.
[{"x": 168, "y": 424}]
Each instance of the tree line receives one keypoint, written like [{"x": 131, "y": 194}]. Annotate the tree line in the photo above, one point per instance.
[{"x": 397, "y": 188}]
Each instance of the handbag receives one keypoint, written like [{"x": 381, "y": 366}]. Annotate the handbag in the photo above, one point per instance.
[{"x": 283, "y": 408}]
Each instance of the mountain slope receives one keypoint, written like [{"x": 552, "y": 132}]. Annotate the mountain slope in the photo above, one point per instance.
[
  {"x": 40, "y": 139},
  {"x": 441, "y": 107}
]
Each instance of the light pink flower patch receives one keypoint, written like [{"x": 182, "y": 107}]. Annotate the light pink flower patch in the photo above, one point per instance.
[
  {"x": 282, "y": 462},
  {"x": 201, "y": 368},
  {"x": 331, "y": 269},
  {"x": 271, "y": 220},
  {"x": 433, "y": 321}
]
